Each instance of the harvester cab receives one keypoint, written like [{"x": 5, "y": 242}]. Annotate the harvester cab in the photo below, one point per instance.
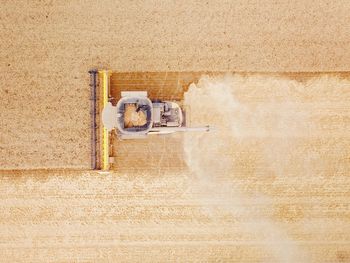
[{"x": 136, "y": 116}]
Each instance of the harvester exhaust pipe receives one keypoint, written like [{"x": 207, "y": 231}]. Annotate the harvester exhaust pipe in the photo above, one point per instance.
[
  {"x": 193, "y": 129},
  {"x": 164, "y": 130}
]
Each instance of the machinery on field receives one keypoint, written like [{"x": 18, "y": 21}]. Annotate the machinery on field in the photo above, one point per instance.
[
  {"x": 136, "y": 116},
  {"x": 118, "y": 111}
]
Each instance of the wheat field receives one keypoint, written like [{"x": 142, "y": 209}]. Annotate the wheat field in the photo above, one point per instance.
[{"x": 269, "y": 184}]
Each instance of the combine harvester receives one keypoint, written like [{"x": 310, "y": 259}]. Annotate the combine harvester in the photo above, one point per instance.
[{"x": 131, "y": 116}]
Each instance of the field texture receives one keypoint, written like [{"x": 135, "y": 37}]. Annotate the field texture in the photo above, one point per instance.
[
  {"x": 47, "y": 47},
  {"x": 269, "y": 184}
]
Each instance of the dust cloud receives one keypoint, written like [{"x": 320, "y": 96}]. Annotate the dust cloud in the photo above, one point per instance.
[{"x": 256, "y": 121}]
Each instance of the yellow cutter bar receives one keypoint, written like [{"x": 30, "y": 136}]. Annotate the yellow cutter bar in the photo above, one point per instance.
[{"x": 104, "y": 77}]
